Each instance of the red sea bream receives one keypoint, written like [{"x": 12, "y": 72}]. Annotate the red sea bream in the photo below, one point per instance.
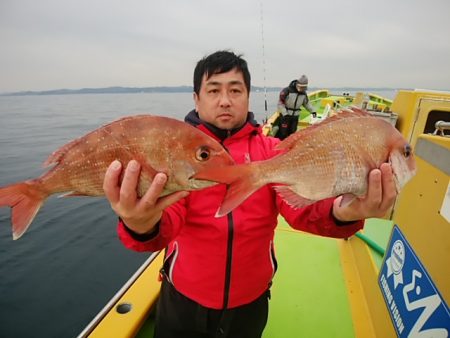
[
  {"x": 160, "y": 144},
  {"x": 328, "y": 159}
]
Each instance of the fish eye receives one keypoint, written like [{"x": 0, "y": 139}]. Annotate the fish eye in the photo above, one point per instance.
[
  {"x": 202, "y": 154},
  {"x": 407, "y": 151}
]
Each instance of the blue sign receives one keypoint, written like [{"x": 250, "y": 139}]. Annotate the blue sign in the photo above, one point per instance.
[{"x": 416, "y": 307}]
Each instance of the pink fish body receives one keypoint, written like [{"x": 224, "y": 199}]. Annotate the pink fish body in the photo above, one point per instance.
[
  {"x": 159, "y": 144},
  {"x": 331, "y": 158}
]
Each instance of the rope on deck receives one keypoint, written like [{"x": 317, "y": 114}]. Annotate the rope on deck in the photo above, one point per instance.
[{"x": 377, "y": 248}]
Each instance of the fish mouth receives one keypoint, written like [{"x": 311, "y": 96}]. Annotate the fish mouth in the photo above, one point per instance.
[
  {"x": 196, "y": 183},
  {"x": 401, "y": 174},
  {"x": 395, "y": 176},
  {"x": 397, "y": 183}
]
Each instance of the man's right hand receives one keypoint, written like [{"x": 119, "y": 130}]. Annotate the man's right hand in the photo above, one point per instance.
[{"x": 139, "y": 214}]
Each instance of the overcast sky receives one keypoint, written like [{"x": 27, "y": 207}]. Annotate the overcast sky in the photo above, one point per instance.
[{"x": 52, "y": 44}]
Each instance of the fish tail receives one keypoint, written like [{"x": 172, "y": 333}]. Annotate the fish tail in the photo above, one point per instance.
[
  {"x": 242, "y": 181},
  {"x": 244, "y": 184},
  {"x": 226, "y": 174},
  {"x": 25, "y": 200}
]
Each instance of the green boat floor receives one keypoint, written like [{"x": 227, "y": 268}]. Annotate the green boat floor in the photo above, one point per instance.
[
  {"x": 148, "y": 327},
  {"x": 309, "y": 295},
  {"x": 379, "y": 230}
]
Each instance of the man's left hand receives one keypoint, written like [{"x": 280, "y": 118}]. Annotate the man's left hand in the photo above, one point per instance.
[{"x": 380, "y": 197}]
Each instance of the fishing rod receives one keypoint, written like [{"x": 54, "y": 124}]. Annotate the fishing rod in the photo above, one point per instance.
[{"x": 263, "y": 61}]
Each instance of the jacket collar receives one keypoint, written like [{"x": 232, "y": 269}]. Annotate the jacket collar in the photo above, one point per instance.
[{"x": 251, "y": 126}]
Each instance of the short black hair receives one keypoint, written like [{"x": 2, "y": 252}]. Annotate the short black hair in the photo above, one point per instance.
[{"x": 217, "y": 63}]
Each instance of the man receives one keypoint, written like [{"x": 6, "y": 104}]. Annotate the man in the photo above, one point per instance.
[
  {"x": 291, "y": 100},
  {"x": 217, "y": 271}
]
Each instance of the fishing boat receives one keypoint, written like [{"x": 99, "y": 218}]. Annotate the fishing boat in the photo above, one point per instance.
[
  {"x": 391, "y": 279},
  {"x": 327, "y": 104}
]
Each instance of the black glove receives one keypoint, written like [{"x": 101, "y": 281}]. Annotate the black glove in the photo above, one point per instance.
[{"x": 314, "y": 114}]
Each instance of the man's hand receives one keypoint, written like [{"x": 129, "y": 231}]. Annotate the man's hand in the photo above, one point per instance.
[
  {"x": 380, "y": 197},
  {"x": 139, "y": 214}
]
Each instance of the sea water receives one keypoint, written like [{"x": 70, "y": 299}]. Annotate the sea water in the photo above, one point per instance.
[{"x": 69, "y": 263}]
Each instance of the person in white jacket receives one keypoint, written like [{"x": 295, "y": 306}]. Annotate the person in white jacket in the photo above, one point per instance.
[{"x": 291, "y": 100}]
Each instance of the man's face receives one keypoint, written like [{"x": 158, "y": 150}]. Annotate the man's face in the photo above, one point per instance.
[
  {"x": 300, "y": 87},
  {"x": 223, "y": 100}
]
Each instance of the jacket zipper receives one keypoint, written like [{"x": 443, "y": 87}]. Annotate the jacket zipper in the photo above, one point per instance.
[
  {"x": 226, "y": 293},
  {"x": 226, "y": 290},
  {"x": 168, "y": 264},
  {"x": 172, "y": 263},
  {"x": 273, "y": 259}
]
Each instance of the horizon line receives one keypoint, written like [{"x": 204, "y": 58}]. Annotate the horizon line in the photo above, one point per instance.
[{"x": 161, "y": 89}]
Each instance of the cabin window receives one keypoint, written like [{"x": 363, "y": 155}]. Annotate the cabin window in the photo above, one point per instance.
[{"x": 435, "y": 116}]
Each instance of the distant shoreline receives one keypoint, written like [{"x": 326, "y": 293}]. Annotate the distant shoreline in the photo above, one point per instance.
[{"x": 162, "y": 89}]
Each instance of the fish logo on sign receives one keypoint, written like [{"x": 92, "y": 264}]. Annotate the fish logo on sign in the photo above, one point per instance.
[{"x": 413, "y": 301}]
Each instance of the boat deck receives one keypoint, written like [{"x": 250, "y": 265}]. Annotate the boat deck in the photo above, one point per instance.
[
  {"x": 310, "y": 297},
  {"x": 328, "y": 287}
]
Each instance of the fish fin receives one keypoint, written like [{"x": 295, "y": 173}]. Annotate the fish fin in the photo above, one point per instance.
[
  {"x": 25, "y": 199},
  {"x": 71, "y": 194},
  {"x": 105, "y": 131},
  {"x": 352, "y": 112},
  {"x": 346, "y": 200},
  {"x": 226, "y": 174},
  {"x": 58, "y": 155},
  {"x": 292, "y": 198},
  {"x": 146, "y": 168},
  {"x": 237, "y": 193},
  {"x": 241, "y": 180}
]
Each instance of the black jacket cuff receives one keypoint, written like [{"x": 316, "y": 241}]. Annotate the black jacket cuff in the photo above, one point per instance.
[
  {"x": 338, "y": 222},
  {"x": 141, "y": 237}
]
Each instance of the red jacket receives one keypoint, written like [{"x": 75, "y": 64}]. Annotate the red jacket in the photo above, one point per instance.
[{"x": 229, "y": 261}]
